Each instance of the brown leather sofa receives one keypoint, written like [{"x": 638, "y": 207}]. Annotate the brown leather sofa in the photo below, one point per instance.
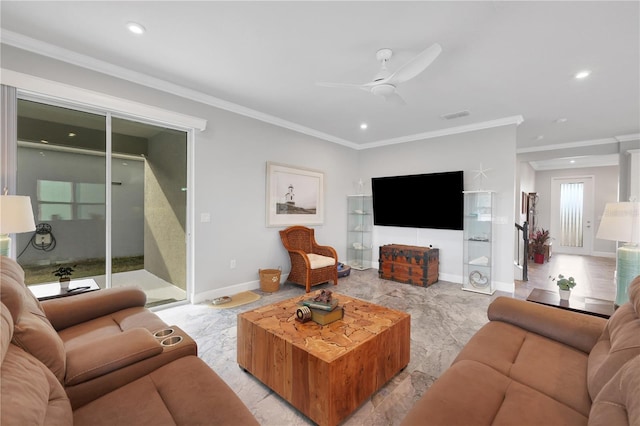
[
  {"x": 102, "y": 358},
  {"x": 539, "y": 365}
]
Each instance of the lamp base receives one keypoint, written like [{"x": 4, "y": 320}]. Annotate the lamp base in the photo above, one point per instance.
[
  {"x": 628, "y": 268},
  {"x": 5, "y": 245}
]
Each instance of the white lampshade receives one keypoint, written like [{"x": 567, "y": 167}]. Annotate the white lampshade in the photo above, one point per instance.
[
  {"x": 620, "y": 222},
  {"x": 16, "y": 214}
]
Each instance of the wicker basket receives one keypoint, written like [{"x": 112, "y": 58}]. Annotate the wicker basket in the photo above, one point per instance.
[{"x": 269, "y": 279}]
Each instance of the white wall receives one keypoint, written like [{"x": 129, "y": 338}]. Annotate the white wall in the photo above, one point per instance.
[{"x": 493, "y": 149}]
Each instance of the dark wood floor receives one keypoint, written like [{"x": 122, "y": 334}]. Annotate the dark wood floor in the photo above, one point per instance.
[{"x": 594, "y": 276}]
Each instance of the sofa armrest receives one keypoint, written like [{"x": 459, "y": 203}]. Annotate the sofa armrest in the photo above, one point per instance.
[
  {"x": 102, "y": 356},
  {"x": 68, "y": 311},
  {"x": 580, "y": 331}
]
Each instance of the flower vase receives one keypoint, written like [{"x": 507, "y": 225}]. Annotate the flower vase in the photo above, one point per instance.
[
  {"x": 564, "y": 294},
  {"x": 64, "y": 283},
  {"x": 538, "y": 258}
]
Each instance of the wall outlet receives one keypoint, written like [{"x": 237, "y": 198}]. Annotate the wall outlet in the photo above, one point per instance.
[
  {"x": 232, "y": 264},
  {"x": 43, "y": 239}
]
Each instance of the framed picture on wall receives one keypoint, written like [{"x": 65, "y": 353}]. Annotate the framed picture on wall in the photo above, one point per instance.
[{"x": 295, "y": 196}]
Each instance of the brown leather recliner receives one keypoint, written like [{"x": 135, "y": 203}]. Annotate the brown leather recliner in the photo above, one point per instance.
[{"x": 96, "y": 354}]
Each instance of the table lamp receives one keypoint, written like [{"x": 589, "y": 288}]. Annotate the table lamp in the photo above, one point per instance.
[
  {"x": 621, "y": 222},
  {"x": 16, "y": 216}
]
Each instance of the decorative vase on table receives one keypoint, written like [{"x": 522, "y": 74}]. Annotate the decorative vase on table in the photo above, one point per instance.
[
  {"x": 64, "y": 283},
  {"x": 564, "y": 285},
  {"x": 564, "y": 294}
]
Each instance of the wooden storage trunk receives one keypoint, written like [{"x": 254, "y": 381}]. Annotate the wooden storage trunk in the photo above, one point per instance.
[{"x": 409, "y": 264}]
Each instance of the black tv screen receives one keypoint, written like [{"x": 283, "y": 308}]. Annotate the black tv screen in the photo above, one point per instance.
[{"x": 431, "y": 200}]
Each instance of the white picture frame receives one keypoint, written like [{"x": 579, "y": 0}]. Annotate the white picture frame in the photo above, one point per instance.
[{"x": 294, "y": 196}]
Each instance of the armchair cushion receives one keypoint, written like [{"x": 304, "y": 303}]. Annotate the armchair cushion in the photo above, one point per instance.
[{"x": 318, "y": 261}]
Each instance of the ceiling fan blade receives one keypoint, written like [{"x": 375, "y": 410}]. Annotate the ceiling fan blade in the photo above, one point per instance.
[
  {"x": 344, "y": 85},
  {"x": 416, "y": 65},
  {"x": 395, "y": 99}
]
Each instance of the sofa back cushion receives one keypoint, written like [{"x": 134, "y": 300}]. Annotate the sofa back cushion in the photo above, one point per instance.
[
  {"x": 619, "y": 401},
  {"x": 619, "y": 343},
  {"x": 29, "y": 392},
  {"x": 32, "y": 331}
]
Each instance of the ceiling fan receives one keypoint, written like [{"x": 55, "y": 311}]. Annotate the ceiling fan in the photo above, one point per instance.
[{"x": 385, "y": 82}]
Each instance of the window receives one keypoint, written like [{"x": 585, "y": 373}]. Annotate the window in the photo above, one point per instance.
[{"x": 59, "y": 200}]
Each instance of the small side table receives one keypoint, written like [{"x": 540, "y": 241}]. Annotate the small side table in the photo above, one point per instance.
[
  {"x": 53, "y": 291},
  {"x": 585, "y": 305}
]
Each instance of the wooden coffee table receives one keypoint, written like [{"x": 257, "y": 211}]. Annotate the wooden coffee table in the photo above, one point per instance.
[{"x": 328, "y": 371}]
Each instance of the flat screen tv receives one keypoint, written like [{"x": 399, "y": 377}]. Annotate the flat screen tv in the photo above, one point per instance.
[{"x": 431, "y": 200}]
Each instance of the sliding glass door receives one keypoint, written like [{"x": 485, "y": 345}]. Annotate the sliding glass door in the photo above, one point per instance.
[
  {"x": 149, "y": 209},
  {"x": 109, "y": 197}
]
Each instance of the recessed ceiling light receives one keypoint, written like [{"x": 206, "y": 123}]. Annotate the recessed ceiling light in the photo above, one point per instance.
[
  {"x": 364, "y": 126},
  {"x": 561, "y": 120},
  {"x": 44, "y": 141},
  {"x": 572, "y": 161},
  {"x": 71, "y": 134},
  {"x": 582, "y": 74},
  {"x": 136, "y": 28},
  {"x": 539, "y": 137}
]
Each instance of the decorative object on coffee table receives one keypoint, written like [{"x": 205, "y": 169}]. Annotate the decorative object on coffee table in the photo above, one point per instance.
[
  {"x": 538, "y": 240},
  {"x": 64, "y": 275},
  {"x": 564, "y": 285}
]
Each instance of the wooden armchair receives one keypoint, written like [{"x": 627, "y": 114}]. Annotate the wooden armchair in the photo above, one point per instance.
[{"x": 311, "y": 264}]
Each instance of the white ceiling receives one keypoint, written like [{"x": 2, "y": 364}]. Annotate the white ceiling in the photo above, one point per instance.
[{"x": 502, "y": 61}]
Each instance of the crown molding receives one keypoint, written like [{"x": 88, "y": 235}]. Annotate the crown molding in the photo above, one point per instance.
[
  {"x": 55, "y": 52},
  {"x": 578, "y": 144},
  {"x": 628, "y": 138},
  {"x": 513, "y": 120}
]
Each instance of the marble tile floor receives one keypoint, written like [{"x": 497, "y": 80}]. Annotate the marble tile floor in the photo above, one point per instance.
[{"x": 443, "y": 319}]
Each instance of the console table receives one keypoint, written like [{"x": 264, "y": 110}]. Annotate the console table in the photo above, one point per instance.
[
  {"x": 53, "y": 291},
  {"x": 586, "y": 305}
]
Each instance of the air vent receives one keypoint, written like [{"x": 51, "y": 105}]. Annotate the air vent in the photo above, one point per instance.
[{"x": 454, "y": 115}]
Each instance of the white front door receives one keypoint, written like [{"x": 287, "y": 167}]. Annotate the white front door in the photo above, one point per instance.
[{"x": 572, "y": 215}]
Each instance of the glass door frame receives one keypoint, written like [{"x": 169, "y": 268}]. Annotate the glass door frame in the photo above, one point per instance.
[{"x": 109, "y": 114}]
